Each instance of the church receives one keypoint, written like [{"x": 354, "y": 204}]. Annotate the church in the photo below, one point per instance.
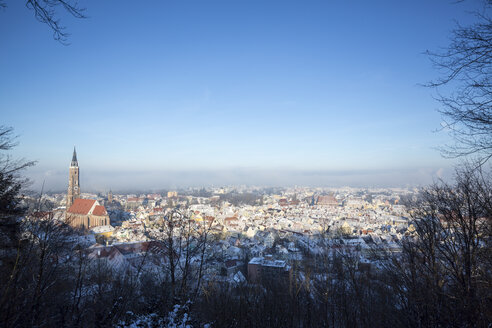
[{"x": 82, "y": 213}]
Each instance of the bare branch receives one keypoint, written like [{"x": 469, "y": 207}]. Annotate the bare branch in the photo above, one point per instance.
[
  {"x": 45, "y": 12},
  {"x": 465, "y": 88}
]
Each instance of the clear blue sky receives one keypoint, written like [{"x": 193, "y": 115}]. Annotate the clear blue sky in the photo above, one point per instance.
[{"x": 149, "y": 88}]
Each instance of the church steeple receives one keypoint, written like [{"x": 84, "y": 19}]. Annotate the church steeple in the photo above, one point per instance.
[
  {"x": 74, "y": 158},
  {"x": 110, "y": 196},
  {"x": 73, "y": 180}
]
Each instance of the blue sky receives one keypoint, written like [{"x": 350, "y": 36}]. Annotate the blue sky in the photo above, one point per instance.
[{"x": 165, "y": 93}]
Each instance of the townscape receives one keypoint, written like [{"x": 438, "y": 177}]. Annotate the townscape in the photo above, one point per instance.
[
  {"x": 196, "y": 252},
  {"x": 242, "y": 164},
  {"x": 244, "y": 224}
]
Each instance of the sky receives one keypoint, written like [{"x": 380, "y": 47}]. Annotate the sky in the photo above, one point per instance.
[{"x": 161, "y": 94}]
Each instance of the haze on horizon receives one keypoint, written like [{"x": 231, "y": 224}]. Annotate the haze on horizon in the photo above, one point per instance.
[
  {"x": 146, "y": 181},
  {"x": 204, "y": 93}
]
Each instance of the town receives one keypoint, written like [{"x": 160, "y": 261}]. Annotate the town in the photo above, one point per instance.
[
  {"x": 246, "y": 227},
  {"x": 245, "y": 164}
]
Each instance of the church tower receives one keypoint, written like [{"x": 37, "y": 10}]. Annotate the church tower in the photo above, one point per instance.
[{"x": 73, "y": 181}]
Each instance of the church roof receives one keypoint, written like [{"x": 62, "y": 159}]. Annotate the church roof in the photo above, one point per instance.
[
  {"x": 87, "y": 207},
  {"x": 99, "y": 210},
  {"x": 81, "y": 206}
]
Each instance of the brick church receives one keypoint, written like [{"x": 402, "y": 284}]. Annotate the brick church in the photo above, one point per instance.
[{"x": 82, "y": 213}]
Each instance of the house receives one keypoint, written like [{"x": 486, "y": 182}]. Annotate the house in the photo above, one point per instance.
[
  {"x": 231, "y": 221},
  {"x": 103, "y": 232},
  {"x": 130, "y": 254},
  {"x": 267, "y": 268},
  {"x": 329, "y": 200}
]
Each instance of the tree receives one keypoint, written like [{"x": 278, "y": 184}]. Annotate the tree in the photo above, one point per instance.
[
  {"x": 11, "y": 184},
  {"x": 185, "y": 242},
  {"x": 465, "y": 88},
  {"x": 38, "y": 282},
  {"x": 443, "y": 275},
  {"x": 45, "y": 11}
]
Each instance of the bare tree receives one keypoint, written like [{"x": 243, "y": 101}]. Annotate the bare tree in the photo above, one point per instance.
[
  {"x": 443, "y": 275},
  {"x": 36, "y": 283},
  {"x": 465, "y": 87},
  {"x": 185, "y": 242}
]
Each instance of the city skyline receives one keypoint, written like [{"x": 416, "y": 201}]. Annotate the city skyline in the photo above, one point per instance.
[
  {"x": 140, "y": 181},
  {"x": 229, "y": 93}
]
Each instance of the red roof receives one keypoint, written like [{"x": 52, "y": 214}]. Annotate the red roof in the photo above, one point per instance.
[
  {"x": 158, "y": 209},
  {"x": 99, "y": 210},
  {"x": 40, "y": 215},
  {"x": 81, "y": 206},
  {"x": 327, "y": 200}
]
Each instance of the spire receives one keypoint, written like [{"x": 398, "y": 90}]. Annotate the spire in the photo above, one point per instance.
[{"x": 74, "y": 158}]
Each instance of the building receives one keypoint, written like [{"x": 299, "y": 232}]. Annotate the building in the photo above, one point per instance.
[
  {"x": 82, "y": 213},
  {"x": 110, "y": 197},
  {"x": 73, "y": 180},
  {"x": 133, "y": 203},
  {"x": 328, "y": 200},
  {"x": 86, "y": 213},
  {"x": 260, "y": 268},
  {"x": 130, "y": 255},
  {"x": 102, "y": 233}
]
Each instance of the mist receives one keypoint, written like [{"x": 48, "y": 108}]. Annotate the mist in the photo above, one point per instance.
[{"x": 94, "y": 180}]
